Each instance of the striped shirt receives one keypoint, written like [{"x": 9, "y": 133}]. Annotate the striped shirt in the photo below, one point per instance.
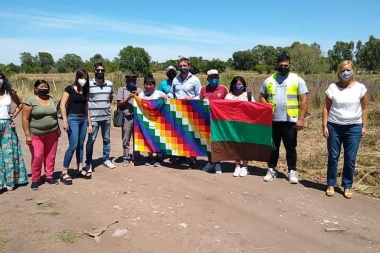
[{"x": 99, "y": 97}]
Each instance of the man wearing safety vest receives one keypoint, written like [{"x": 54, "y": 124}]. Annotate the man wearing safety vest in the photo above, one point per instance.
[{"x": 288, "y": 94}]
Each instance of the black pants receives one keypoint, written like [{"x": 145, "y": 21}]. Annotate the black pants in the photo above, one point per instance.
[{"x": 286, "y": 132}]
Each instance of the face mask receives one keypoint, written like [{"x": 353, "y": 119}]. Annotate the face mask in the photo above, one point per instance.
[
  {"x": 213, "y": 82},
  {"x": 171, "y": 75},
  {"x": 82, "y": 81},
  {"x": 99, "y": 75},
  {"x": 148, "y": 93},
  {"x": 238, "y": 87},
  {"x": 283, "y": 71},
  {"x": 42, "y": 92},
  {"x": 184, "y": 70},
  {"x": 131, "y": 87},
  {"x": 1, "y": 83},
  {"x": 346, "y": 75}
]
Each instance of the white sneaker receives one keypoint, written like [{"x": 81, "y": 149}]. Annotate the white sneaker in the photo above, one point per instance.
[
  {"x": 218, "y": 169},
  {"x": 293, "y": 177},
  {"x": 271, "y": 174},
  {"x": 237, "y": 171},
  {"x": 109, "y": 165},
  {"x": 209, "y": 166},
  {"x": 89, "y": 168},
  {"x": 243, "y": 172}
]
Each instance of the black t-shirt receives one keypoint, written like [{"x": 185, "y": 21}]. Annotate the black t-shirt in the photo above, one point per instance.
[{"x": 76, "y": 102}]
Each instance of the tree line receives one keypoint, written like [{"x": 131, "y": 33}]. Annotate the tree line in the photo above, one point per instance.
[{"x": 306, "y": 59}]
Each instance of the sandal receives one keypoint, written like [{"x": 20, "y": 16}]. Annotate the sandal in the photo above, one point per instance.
[
  {"x": 330, "y": 191},
  {"x": 66, "y": 179},
  {"x": 84, "y": 174},
  {"x": 347, "y": 193}
]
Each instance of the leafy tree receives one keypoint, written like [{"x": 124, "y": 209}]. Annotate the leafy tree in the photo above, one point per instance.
[
  {"x": 341, "y": 51},
  {"x": 359, "y": 45},
  {"x": 198, "y": 65},
  {"x": 46, "y": 61},
  {"x": 307, "y": 59},
  {"x": 134, "y": 59},
  {"x": 244, "y": 60},
  {"x": 216, "y": 64},
  {"x": 369, "y": 54},
  {"x": 10, "y": 68},
  {"x": 28, "y": 62},
  {"x": 69, "y": 63},
  {"x": 265, "y": 55},
  {"x": 263, "y": 68}
]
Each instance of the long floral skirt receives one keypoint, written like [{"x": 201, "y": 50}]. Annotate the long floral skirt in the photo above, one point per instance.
[{"x": 12, "y": 166}]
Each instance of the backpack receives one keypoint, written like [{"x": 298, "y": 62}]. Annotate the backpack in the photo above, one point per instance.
[{"x": 59, "y": 113}]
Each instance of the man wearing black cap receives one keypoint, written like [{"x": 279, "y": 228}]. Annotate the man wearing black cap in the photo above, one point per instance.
[{"x": 125, "y": 97}]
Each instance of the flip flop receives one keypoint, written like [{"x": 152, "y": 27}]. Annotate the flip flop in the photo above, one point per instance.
[
  {"x": 347, "y": 193},
  {"x": 330, "y": 192}
]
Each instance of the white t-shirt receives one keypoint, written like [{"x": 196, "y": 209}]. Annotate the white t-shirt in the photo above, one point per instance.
[
  {"x": 280, "y": 97},
  {"x": 242, "y": 97},
  {"x": 346, "y": 107},
  {"x": 5, "y": 106},
  {"x": 156, "y": 94}
]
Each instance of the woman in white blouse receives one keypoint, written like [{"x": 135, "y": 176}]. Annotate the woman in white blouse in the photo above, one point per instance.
[
  {"x": 238, "y": 92},
  {"x": 344, "y": 121}
]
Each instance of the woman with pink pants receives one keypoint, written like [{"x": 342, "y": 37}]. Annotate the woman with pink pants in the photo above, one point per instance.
[{"x": 40, "y": 124}]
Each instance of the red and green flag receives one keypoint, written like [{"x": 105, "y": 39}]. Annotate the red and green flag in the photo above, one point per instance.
[{"x": 240, "y": 130}]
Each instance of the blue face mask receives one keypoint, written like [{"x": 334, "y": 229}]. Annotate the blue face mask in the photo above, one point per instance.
[
  {"x": 184, "y": 70},
  {"x": 148, "y": 93},
  {"x": 213, "y": 82},
  {"x": 238, "y": 87},
  {"x": 131, "y": 87}
]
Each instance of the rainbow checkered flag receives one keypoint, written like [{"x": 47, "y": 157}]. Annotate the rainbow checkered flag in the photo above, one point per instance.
[{"x": 173, "y": 126}]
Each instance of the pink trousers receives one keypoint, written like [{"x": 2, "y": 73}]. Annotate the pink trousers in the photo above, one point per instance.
[{"x": 43, "y": 150}]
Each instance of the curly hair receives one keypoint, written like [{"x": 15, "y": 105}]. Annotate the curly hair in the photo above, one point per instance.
[{"x": 7, "y": 86}]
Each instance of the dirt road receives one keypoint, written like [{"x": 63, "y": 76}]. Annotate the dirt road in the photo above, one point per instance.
[{"x": 176, "y": 209}]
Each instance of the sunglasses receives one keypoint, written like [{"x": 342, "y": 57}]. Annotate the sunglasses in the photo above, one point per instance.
[{"x": 100, "y": 70}]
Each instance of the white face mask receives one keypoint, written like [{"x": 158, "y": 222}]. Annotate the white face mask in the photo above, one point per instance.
[
  {"x": 82, "y": 81},
  {"x": 1, "y": 83},
  {"x": 346, "y": 75}
]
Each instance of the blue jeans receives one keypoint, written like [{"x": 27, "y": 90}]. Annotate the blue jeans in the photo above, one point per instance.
[
  {"x": 76, "y": 133},
  {"x": 105, "y": 125},
  {"x": 349, "y": 136}
]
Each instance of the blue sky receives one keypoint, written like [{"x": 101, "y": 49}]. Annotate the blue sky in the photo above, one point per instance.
[{"x": 167, "y": 29}]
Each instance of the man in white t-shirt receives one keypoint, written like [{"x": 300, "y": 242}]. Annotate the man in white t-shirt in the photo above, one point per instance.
[{"x": 288, "y": 94}]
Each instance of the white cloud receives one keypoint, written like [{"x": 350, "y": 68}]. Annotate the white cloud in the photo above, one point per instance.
[{"x": 88, "y": 35}]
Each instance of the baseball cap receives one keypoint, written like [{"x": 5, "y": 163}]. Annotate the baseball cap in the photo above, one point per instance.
[
  {"x": 131, "y": 75},
  {"x": 212, "y": 72}
]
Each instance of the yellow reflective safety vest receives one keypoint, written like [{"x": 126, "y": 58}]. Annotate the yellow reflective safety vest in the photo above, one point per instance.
[{"x": 292, "y": 103}]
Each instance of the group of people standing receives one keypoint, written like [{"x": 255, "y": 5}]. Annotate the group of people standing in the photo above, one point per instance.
[{"x": 86, "y": 107}]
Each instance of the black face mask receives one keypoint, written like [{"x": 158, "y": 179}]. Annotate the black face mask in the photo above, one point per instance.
[
  {"x": 99, "y": 75},
  {"x": 171, "y": 75},
  {"x": 42, "y": 92},
  {"x": 283, "y": 71}
]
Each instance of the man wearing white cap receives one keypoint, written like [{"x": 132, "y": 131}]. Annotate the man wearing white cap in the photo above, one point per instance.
[
  {"x": 166, "y": 85},
  {"x": 213, "y": 90}
]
